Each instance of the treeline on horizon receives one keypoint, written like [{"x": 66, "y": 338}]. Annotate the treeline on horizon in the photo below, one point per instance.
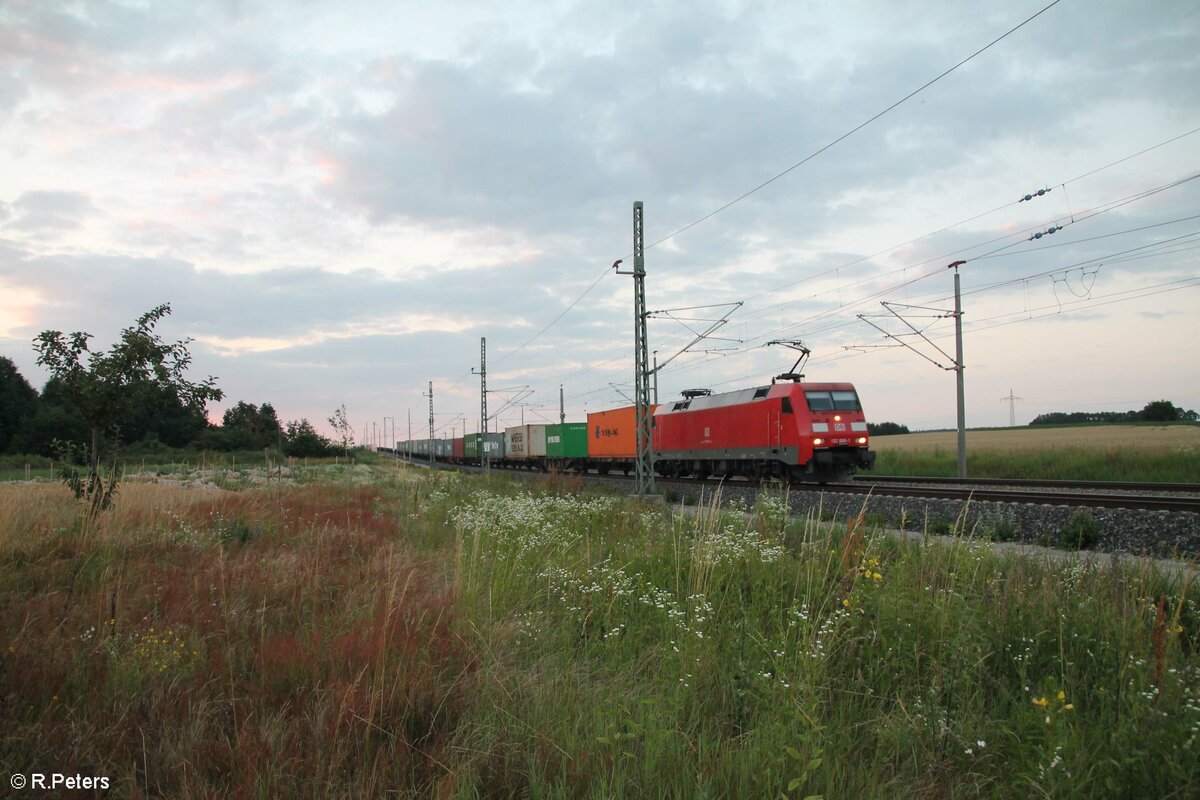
[
  {"x": 1156, "y": 411},
  {"x": 154, "y": 420}
]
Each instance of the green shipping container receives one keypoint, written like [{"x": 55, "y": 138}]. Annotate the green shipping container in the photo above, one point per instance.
[
  {"x": 568, "y": 440},
  {"x": 495, "y": 445}
]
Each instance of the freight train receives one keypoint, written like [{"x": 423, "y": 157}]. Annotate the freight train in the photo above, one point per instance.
[{"x": 792, "y": 432}]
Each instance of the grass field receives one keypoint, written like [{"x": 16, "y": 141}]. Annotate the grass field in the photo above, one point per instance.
[
  {"x": 180, "y": 462},
  {"x": 385, "y": 632},
  {"x": 1094, "y": 452}
]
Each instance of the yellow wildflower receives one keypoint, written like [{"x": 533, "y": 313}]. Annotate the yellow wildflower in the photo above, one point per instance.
[{"x": 1041, "y": 702}]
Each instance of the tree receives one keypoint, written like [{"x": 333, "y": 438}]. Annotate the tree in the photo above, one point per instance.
[
  {"x": 303, "y": 441},
  {"x": 886, "y": 428},
  {"x": 341, "y": 428},
  {"x": 18, "y": 401},
  {"x": 1160, "y": 411},
  {"x": 38, "y": 432},
  {"x": 249, "y": 427},
  {"x": 110, "y": 384}
]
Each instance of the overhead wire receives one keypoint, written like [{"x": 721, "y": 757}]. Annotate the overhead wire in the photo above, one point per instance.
[
  {"x": 853, "y": 130},
  {"x": 1018, "y": 235},
  {"x": 848, "y": 323},
  {"x": 790, "y": 169},
  {"x": 980, "y": 215},
  {"x": 940, "y": 259},
  {"x": 759, "y": 312}
]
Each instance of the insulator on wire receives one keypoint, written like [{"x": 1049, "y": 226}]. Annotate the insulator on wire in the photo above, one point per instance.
[
  {"x": 1047, "y": 232},
  {"x": 1032, "y": 195}
]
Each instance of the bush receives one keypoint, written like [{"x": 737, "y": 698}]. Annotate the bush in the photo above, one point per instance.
[
  {"x": 301, "y": 441},
  {"x": 1001, "y": 526},
  {"x": 1081, "y": 532},
  {"x": 939, "y": 525},
  {"x": 236, "y": 530}
]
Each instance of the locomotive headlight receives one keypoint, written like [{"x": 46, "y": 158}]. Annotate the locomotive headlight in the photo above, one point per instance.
[
  {"x": 818, "y": 442},
  {"x": 837, "y": 417},
  {"x": 862, "y": 440}
]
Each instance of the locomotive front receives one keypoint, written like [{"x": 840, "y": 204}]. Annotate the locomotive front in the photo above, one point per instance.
[{"x": 833, "y": 435}]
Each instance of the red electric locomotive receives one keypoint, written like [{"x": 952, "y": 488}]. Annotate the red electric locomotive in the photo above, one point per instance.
[{"x": 791, "y": 431}]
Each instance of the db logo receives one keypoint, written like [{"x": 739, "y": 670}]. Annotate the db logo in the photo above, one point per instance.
[{"x": 839, "y": 426}]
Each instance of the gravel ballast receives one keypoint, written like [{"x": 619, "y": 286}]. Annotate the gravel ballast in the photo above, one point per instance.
[{"x": 1161, "y": 534}]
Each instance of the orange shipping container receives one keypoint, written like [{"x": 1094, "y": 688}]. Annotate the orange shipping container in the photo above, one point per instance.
[{"x": 611, "y": 434}]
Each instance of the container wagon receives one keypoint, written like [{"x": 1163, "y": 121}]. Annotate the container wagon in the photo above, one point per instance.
[
  {"x": 525, "y": 446},
  {"x": 566, "y": 447},
  {"x": 612, "y": 439}
]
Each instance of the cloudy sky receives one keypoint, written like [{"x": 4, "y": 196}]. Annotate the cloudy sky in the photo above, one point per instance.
[{"x": 339, "y": 200}]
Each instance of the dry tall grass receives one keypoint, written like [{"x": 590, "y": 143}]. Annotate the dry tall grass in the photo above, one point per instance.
[{"x": 263, "y": 643}]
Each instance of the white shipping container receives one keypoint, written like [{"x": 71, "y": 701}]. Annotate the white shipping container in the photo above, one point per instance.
[{"x": 525, "y": 441}]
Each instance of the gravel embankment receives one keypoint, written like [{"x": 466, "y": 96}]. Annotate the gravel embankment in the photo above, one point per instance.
[
  {"x": 1157, "y": 533},
  {"x": 1161, "y": 534}
]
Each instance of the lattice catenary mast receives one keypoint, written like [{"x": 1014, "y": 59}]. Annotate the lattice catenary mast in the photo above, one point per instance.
[
  {"x": 483, "y": 457},
  {"x": 644, "y": 459}
]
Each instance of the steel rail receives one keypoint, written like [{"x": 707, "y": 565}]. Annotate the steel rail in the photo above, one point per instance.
[
  {"x": 1141, "y": 502},
  {"x": 1183, "y": 488}
]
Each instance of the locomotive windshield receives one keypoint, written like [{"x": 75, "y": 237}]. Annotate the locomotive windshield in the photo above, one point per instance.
[{"x": 837, "y": 400}]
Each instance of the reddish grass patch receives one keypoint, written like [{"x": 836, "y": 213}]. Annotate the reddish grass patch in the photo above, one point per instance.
[{"x": 325, "y": 658}]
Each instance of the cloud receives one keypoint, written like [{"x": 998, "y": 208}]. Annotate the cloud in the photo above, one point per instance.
[
  {"x": 306, "y": 188},
  {"x": 47, "y": 213}
]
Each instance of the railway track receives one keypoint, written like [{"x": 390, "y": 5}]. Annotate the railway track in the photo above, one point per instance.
[
  {"x": 1078, "y": 494},
  {"x": 1133, "y": 486},
  {"x": 1169, "y": 497}
]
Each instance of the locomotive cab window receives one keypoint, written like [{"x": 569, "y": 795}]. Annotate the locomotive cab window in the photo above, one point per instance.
[
  {"x": 787, "y": 405},
  {"x": 819, "y": 401},
  {"x": 761, "y": 393},
  {"x": 833, "y": 401},
  {"x": 846, "y": 401}
]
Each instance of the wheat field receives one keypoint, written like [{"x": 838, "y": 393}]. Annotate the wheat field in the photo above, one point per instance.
[
  {"x": 1143, "y": 438},
  {"x": 1169, "y": 453}
]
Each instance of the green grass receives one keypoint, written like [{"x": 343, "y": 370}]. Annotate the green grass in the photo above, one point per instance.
[
  {"x": 165, "y": 459},
  {"x": 166, "y": 462},
  {"x": 709, "y": 659},
  {"x": 1061, "y": 464},
  {"x": 404, "y": 633}
]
